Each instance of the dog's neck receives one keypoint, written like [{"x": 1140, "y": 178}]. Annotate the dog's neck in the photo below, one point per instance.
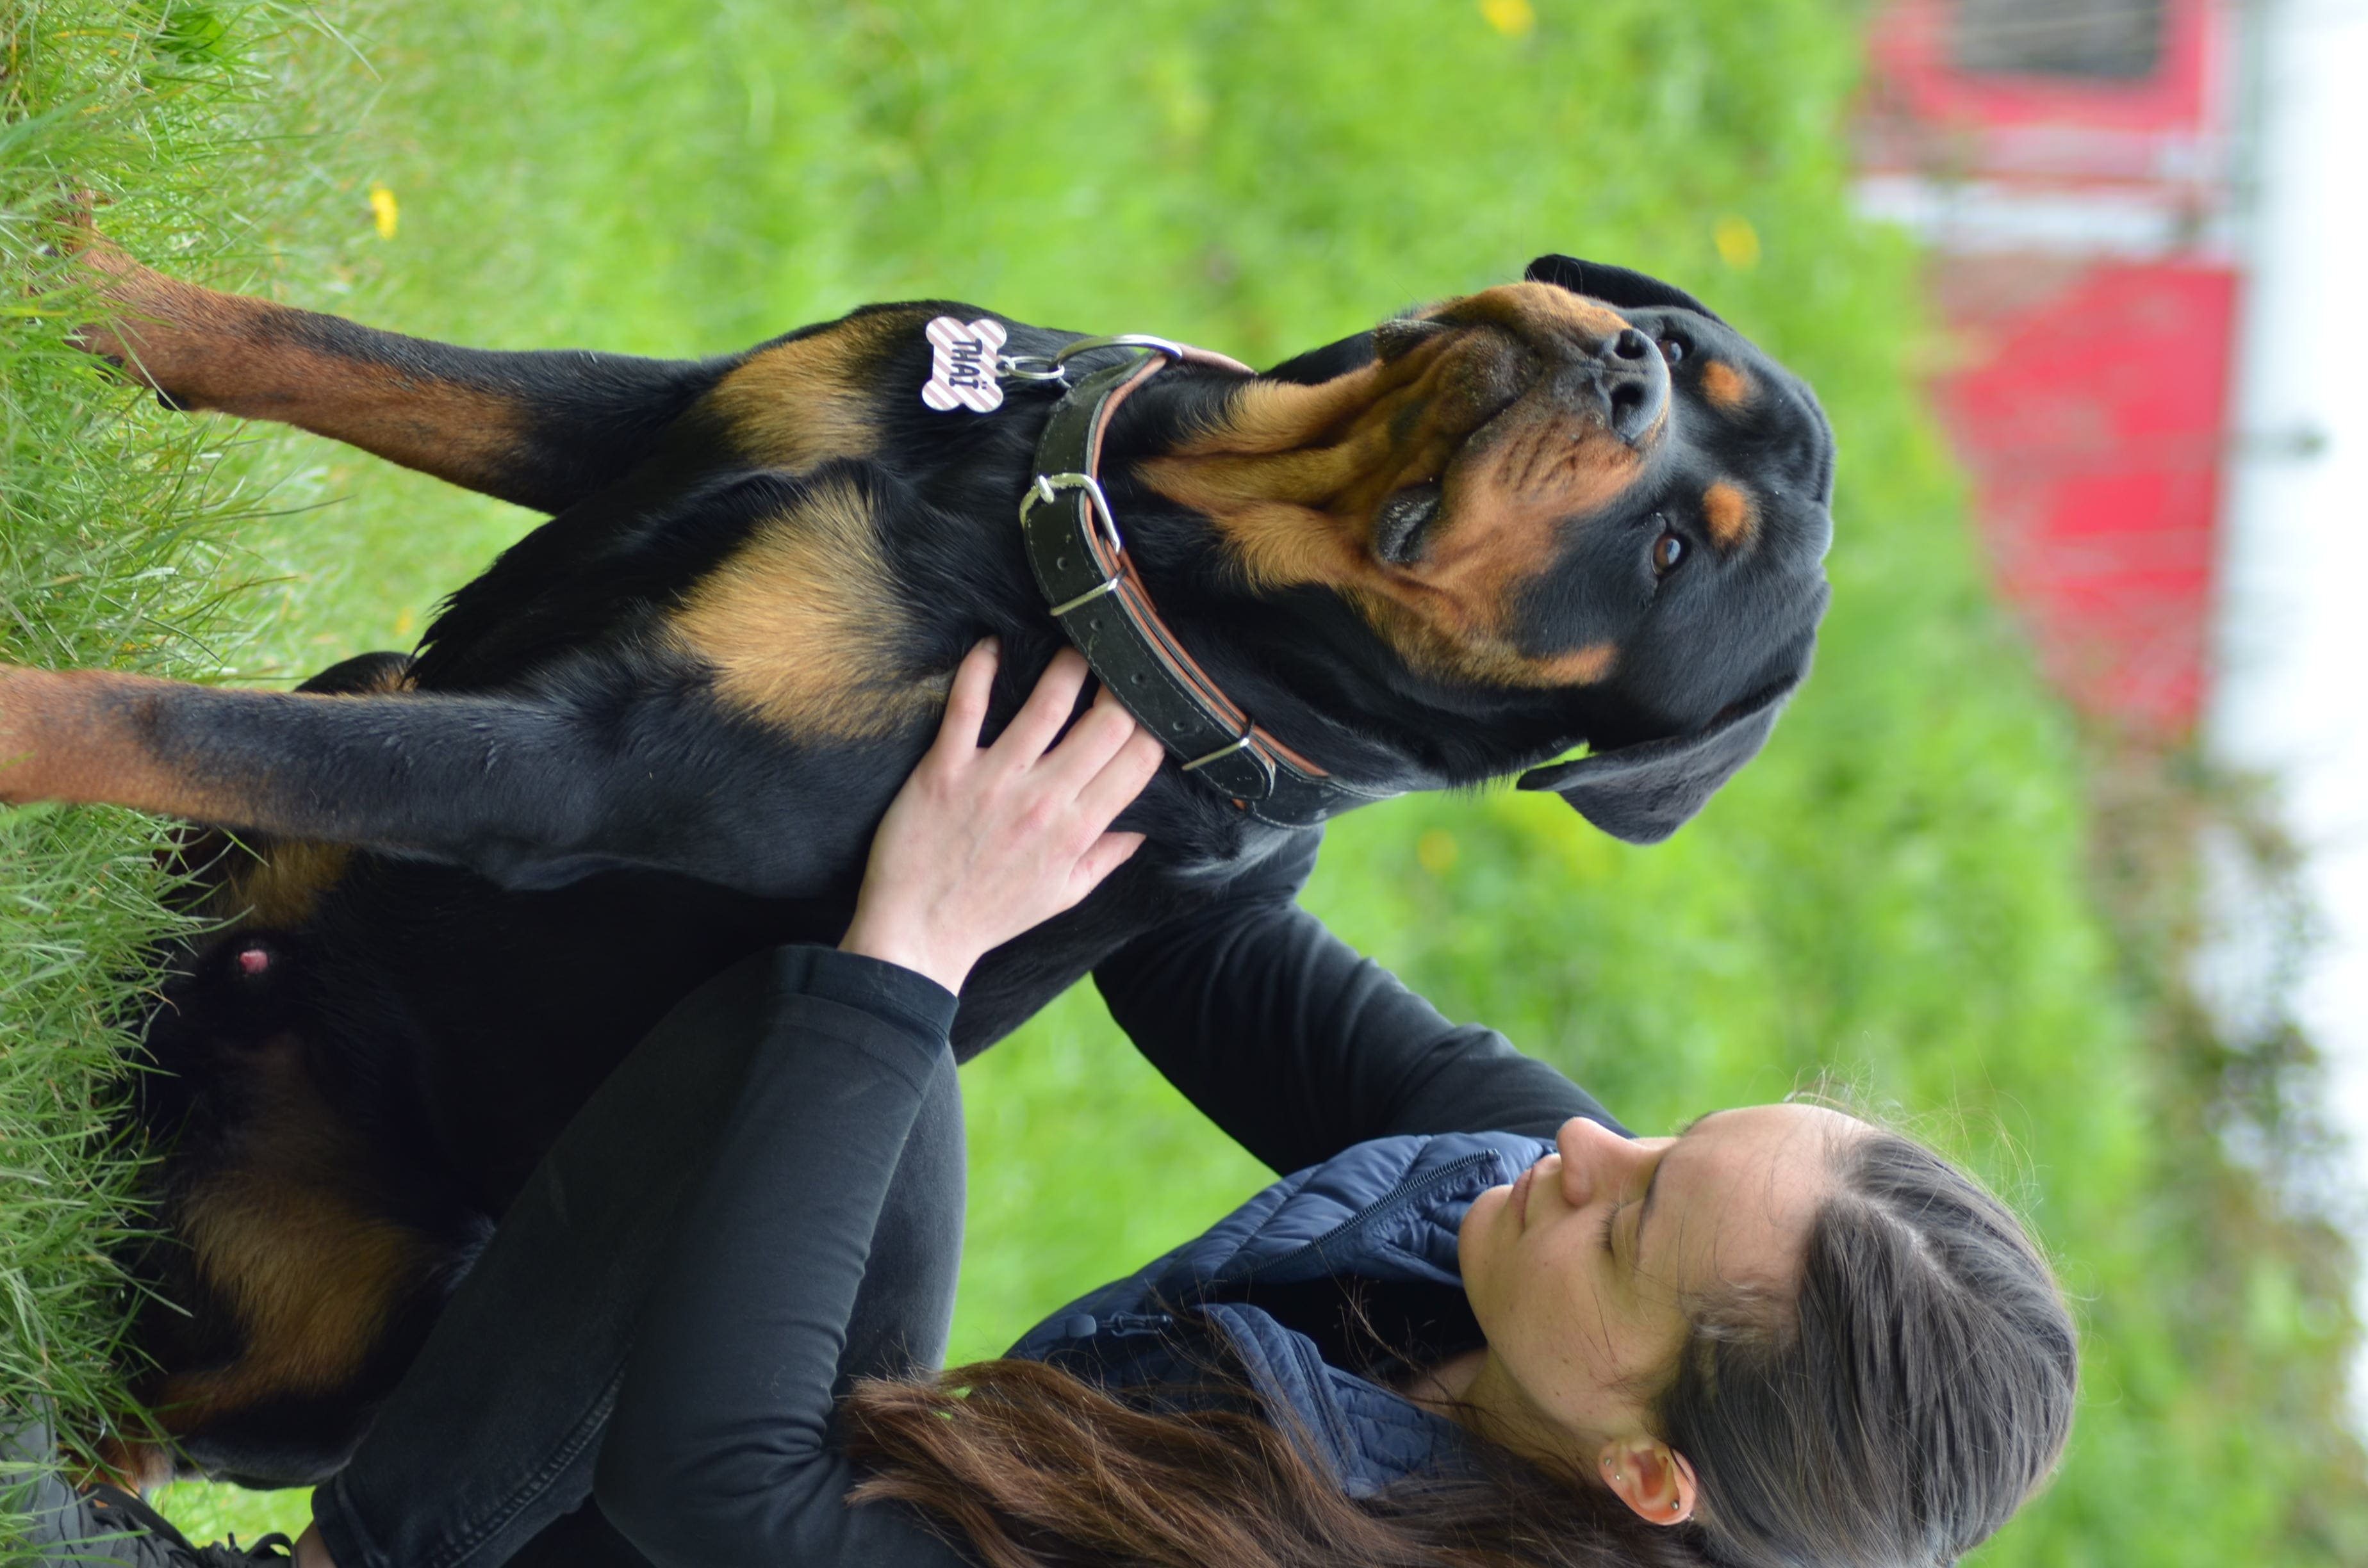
[{"x": 1297, "y": 657}]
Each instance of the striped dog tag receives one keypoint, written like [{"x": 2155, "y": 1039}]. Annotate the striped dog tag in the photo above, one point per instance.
[{"x": 962, "y": 366}]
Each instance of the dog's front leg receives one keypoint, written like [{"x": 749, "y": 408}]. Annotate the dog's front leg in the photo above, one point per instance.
[
  {"x": 530, "y": 789},
  {"x": 543, "y": 429}
]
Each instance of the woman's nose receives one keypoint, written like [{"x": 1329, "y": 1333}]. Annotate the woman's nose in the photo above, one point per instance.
[{"x": 1593, "y": 1155}]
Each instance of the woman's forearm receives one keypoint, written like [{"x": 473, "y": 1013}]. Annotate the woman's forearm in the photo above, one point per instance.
[
  {"x": 718, "y": 1451},
  {"x": 1299, "y": 1046}
]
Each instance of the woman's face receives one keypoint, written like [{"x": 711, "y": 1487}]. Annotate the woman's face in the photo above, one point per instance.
[{"x": 1579, "y": 1271}]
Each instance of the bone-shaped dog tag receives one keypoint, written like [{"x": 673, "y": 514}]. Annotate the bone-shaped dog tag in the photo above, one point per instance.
[{"x": 962, "y": 366}]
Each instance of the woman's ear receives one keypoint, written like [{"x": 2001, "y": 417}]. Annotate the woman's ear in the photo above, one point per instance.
[{"x": 1651, "y": 1477}]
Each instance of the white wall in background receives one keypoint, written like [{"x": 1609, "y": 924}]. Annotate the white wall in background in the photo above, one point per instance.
[{"x": 2291, "y": 694}]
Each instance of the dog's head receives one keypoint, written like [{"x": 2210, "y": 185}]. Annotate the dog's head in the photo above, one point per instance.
[{"x": 1575, "y": 508}]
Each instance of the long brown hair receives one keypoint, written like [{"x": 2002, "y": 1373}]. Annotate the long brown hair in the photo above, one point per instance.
[
  {"x": 1893, "y": 1413},
  {"x": 1032, "y": 1468}
]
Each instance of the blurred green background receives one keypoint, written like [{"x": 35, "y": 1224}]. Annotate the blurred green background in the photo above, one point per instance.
[{"x": 1911, "y": 894}]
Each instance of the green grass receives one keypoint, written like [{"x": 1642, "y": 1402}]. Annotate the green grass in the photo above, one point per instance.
[
  {"x": 1897, "y": 894},
  {"x": 118, "y": 546}
]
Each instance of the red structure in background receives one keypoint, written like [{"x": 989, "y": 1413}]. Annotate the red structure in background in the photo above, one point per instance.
[{"x": 2068, "y": 160}]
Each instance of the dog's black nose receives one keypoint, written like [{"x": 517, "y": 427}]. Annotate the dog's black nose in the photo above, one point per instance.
[{"x": 1635, "y": 384}]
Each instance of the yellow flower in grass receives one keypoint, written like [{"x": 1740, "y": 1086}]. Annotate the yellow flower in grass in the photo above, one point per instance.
[
  {"x": 1738, "y": 242},
  {"x": 1511, "y": 17},
  {"x": 383, "y": 212}
]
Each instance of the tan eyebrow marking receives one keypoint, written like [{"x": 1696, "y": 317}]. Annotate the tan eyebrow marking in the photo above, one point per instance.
[
  {"x": 1731, "y": 514},
  {"x": 1580, "y": 667},
  {"x": 1727, "y": 388}
]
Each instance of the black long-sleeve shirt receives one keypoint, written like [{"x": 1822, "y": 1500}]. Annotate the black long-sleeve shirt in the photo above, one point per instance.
[
  {"x": 1298, "y": 1046},
  {"x": 719, "y": 1451}
]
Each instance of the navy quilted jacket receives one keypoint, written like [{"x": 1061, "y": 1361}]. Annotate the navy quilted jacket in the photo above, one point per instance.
[{"x": 1276, "y": 1279}]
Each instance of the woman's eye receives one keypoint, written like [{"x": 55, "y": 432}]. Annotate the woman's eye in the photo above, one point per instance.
[
  {"x": 1672, "y": 350},
  {"x": 1668, "y": 550}
]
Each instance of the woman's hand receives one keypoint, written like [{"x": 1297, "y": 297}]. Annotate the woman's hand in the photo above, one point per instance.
[{"x": 985, "y": 842}]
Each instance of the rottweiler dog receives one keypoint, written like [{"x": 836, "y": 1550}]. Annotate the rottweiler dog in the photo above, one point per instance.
[{"x": 451, "y": 888}]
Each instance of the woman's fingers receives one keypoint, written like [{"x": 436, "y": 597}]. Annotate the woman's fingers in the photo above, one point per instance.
[
  {"x": 1106, "y": 854},
  {"x": 1047, "y": 708},
  {"x": 1122, "y": 777},
  {"x": 1091, "y": 742},
  {"x": 967, "y": 702},
  {"x": 1099, "y": 766}
]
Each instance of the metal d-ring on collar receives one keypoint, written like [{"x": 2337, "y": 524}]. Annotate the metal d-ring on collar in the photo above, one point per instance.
[
  {"x": 1055, "y": 366},
  {"x": 1078, "y": 558}
]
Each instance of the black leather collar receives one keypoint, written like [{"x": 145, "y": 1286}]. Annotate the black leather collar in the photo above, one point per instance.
[{"x": 1081, "y": 562}]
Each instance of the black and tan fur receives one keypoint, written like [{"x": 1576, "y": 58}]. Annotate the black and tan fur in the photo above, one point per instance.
[{"x": 657, "y": 732}]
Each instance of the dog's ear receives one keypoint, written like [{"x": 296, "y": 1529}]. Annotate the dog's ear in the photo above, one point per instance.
[
  {"x": 1643, "y": 793},
  {"x": 1615, "y": 286}
]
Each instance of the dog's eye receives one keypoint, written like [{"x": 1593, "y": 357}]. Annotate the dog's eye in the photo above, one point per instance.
[
  {"x": 1672, "y": 350},
  {"x": 1668, "y": 550}
]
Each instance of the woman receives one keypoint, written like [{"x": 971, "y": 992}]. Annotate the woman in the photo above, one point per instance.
[{"x": 1483, "y": 1326}]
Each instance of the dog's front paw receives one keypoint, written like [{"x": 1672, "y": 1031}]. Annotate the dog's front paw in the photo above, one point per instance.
[{"x": 138, "y": 316}]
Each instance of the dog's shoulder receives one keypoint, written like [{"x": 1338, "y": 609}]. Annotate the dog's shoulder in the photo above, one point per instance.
[
  {"x": 809, "y": 625},
  {"x": 782, "y": 534},
  {"x": 815, "y": 395}
]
